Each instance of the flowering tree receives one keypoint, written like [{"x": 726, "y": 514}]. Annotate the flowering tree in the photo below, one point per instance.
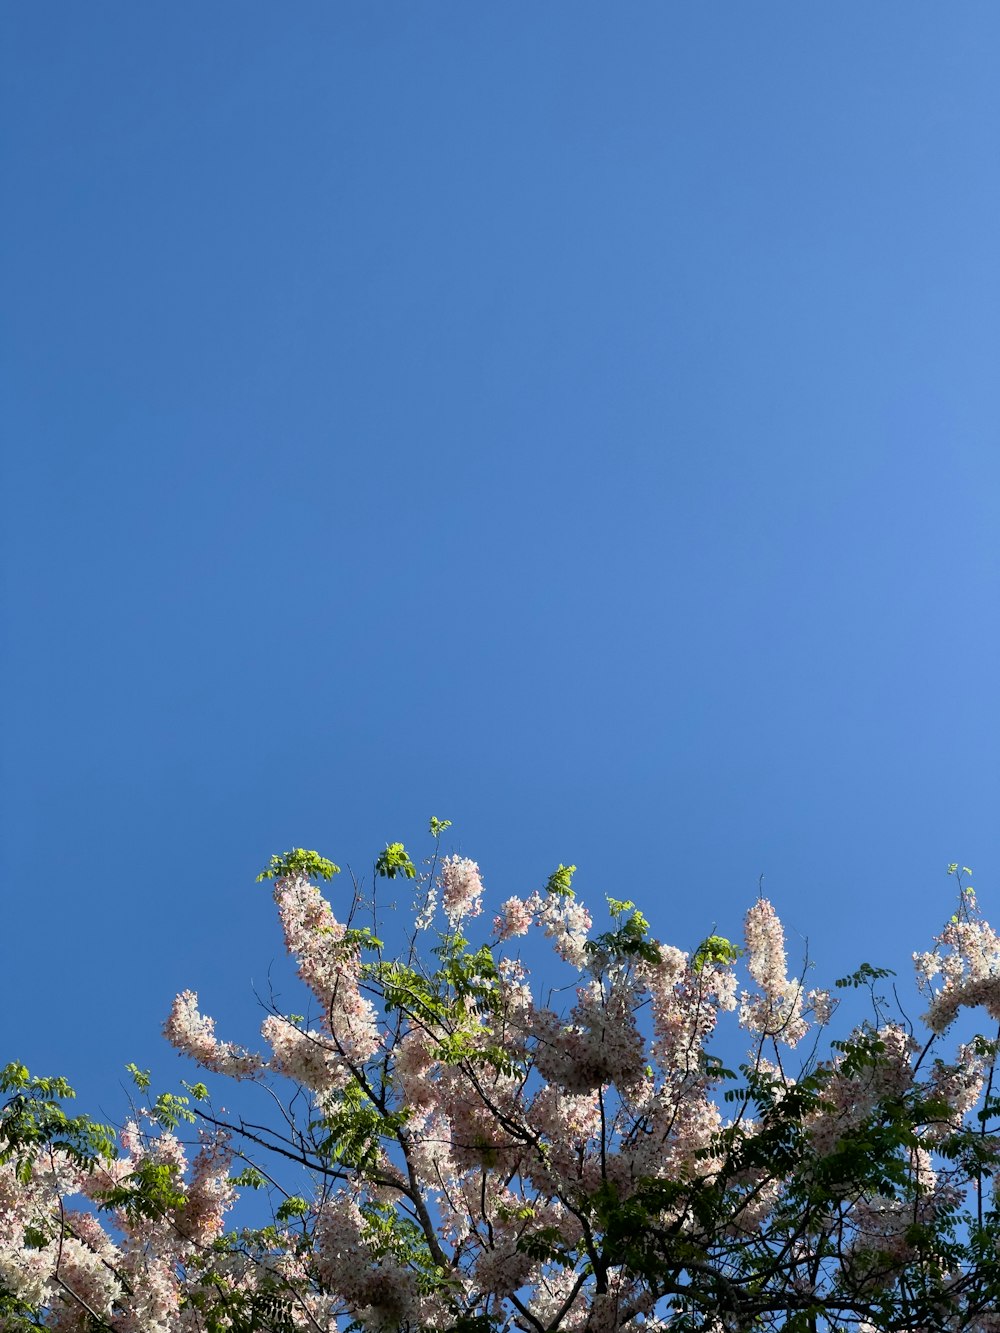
[{"x": 450, "y": 1150}]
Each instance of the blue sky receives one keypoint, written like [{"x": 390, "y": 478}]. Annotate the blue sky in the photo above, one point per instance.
[{"x": 579, "y": 421}]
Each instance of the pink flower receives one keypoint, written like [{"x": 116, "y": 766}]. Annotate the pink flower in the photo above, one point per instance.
[
  {"x": 193, "y": 1034},
  {"x": 307, "y": 1057},
  {"x": 462, "y": 889},
  {"x": 331, "y": 969},
  {"x": 514, "y": 919},
  {"x": 776, "y": 1013}
]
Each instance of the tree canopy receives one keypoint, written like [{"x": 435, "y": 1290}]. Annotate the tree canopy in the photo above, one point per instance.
[{"x": 446, "y": 1145}]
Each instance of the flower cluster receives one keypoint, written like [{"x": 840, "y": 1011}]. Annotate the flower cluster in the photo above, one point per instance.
[
  {"x": 564, "y": 920},
  {"x": 193, "y": 1033},
  {"x": 462, "y": 889},
  {"x": 135, "y": 1272},
  {"x": 968, "y": 958},
  {"x": 479, "y": 1154},
  {"x": 777, "y": 1010}
]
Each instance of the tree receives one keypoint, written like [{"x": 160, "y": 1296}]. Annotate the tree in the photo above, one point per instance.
[{"x": 469, "y": 1156}]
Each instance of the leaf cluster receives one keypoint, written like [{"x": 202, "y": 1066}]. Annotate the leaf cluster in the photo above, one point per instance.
[
  {"x": 33, "y": 1120},
  {"x": 299, "y": 862}
]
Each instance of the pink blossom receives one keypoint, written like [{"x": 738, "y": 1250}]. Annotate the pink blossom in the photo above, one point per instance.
[
  {"x": 308, "y": 1057},
  {"x": 822, "y": 1004},
  {"x": 383, "y": 1294},
  {"x": 193, "y": 1034},
  {"x": 209, "y": 1194},
  {"x": 777, "y": 1012},
  {"x": 503, "y": 1269},
  {"x": 968, "y": 957},
  {"x": 462, "y": 889},
  {"x": 567, "y": 923},
  {"x": 414, "y": 1059},
  {"x": 329, "y": 967},
  {"x": 601, "y": 1043},
  {"x": 481, "y": 1118},
  {"x": 514, "y": 919}
]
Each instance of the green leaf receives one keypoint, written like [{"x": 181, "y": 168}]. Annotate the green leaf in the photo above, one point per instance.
[
  {"x": 299, "y": 862},
  {"x": 395, "y": 861},
  {"x": 360, "y": 937},
  {"x": 33, "y": 1119},
  {"x": 250, "y": 1178},
  {"x": 14, "y": 1076},
  {"x": 151, "y": 1191},
  {"x": 628, "y": 941},
  {"x": 864, "y": 976},
  {"x": 170, "y": 1110},
  {"x": 560, "y": 881},
  {"x": 715, "y": 949},
  {"x": 291, "y": 1207}
]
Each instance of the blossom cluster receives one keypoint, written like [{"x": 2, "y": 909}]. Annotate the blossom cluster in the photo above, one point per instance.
[
  {"x": 967, "y": 958},
  {"x": 475, "y": 1150},
  {"x": 133, "y": 1271}
]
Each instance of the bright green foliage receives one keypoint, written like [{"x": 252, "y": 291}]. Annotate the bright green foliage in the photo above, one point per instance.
[
  {"x": 468, "y": 975},
  {"x": 170, "y": 1111},
  {"x": 140, "y": 1077},
  {"x": 351, "y": 1133},
  {"x": 628, "y": 940},
  {"x": 395, "y": 861},
  {"x": 249, "y": 1178},
  {"x": 150, "y": 1191},
  {"x": 715, "y": 949},
  {"x": 33, "y": 1120},
  {"x": 291, "y": 1207},
  {"x": 361, "y": 937},
  {"x": 560, "y": 881},
  {"x": 15, "y": 1315},
  {"x": 299, "y": 862}
]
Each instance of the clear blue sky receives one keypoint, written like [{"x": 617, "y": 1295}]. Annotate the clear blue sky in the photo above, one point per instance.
[{"x": 580, "y": 421}]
